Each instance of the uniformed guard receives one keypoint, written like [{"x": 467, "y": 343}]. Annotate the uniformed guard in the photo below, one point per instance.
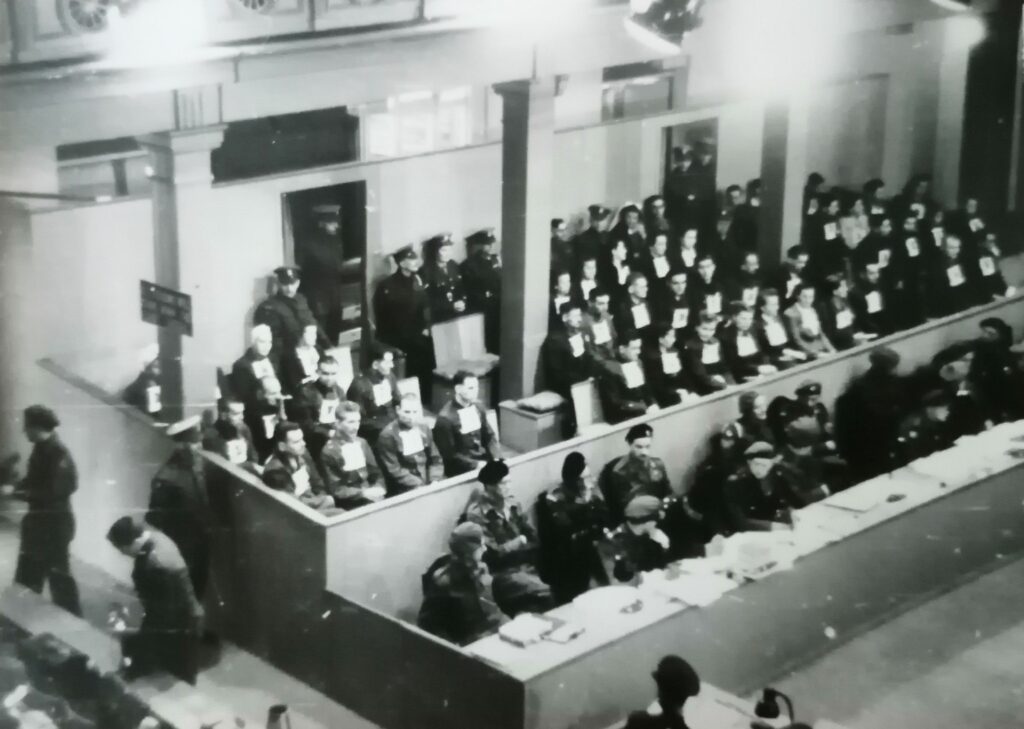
[
  {"x": 446, "y": 294},
  {"x": 408, "y": 456},
  {"x": 254, "y": 365},
  {"x": 511, "y": 543},
  {"x": 349, "y": 466},
  {"x": 49, "y": 525},
  {"x": 323, "y": 262},
  {"x": 463, "y": 435},
  {"x": 637, "y": 473},
  {"x": 168, "y": 637},
  {"x": 592, "y": 243},
  {"x": 562, "y": 257},
  {"x": 638, "y": 545},
  {"x": 376, "y": 392},
  {"x": 481, "y": 275},
  {"x": 316, "y": 404},
  {"x": 924, "y": 431},
  {"x": 762, "y": 494},
  {"x": 403, "y": 317},
  {"x": 179, "y": 504},
  {"x": 572, "y": 519},
  {"x": 229, "y": 436},
  {"x": 286, "y": 312},
  {"x": 458, "y": 602}
]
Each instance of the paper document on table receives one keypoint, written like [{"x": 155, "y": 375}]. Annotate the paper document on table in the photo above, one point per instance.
[
  {"x": 864, "y": 497},
  {"x": 525, "y": 629},
  {"x": 695, "y": 590}
]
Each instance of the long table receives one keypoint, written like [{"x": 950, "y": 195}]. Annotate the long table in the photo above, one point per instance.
[{"x": 861, "y": 557}]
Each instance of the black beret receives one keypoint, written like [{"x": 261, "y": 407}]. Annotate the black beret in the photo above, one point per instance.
[
  {"x": 40, "y": 416},
  {"x": 885, "y": 357},
  {"x": 643, "y": 430},
  {"x": 643, "y": 508},
  {"x": 288, "y": 274},
  {"x": 952, "y": 353},
  {"x": 573, "y": 466},
  {"x": 493, "y": 472},
  {"x": 809, "y": 387},
  {"x": 482, "y": 237},
  {"x": 676, "y": 674},
  {"x": 599, "y": 212},
  {"x": 124, "y": 531}
]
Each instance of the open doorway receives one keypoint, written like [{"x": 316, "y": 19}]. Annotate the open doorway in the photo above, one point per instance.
[
  {"x": 691, "y": 173},
  {"x": 325, "y": 229}
]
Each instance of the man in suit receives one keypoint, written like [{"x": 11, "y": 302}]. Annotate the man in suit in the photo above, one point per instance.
[
  {"x": 462, "y": 433},
  {"x": 376, "y": 392},
  {"x": 623, "y": 388},
  {"x": 408, "y": 456},
  {"x": 254, "y": 365}
]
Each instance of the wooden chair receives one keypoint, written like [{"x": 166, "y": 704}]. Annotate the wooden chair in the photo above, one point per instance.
[{"x": 459, "y": 345}]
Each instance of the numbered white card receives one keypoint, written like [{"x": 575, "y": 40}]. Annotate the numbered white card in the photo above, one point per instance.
[
  {"x": 873, "y": 299},
  {"x": 469, "y": 420},
  {"x": 689, "y": 257},
  {"x": 412, "y": 441},
  {"x": 937, "y": 235},
  {"x": 576, "y": 342},
  {"x": 775, "y": 333},
  {"x": 670, "y": 363},
  {"x": 328, "y": 410},
  {"x": 745, "y": 345},
  {"x": 602, "y": 332},
  {"x": 353, "y": 456},
  {"x": 633, "y": 375},
  {"x": 713, "y": 303},
  {"x": 301, "y": 480},
  {"x": 269, "y": 424},
  {"x": 749, "y": 296},
  {"x": 641, "y": 318},
  {"x": 680, "y": 318},
  {"x": 238, "y": 451},
  {"x": 831, "y": 232},
  {"x": 987, "y": 265},
  {"x": 559, "y": 300},
  {"x": 710, "y": 353},
  {"x": 955, "y": 275},
  {"x": 382, "y": 394},
  {"x": 661, "y": 266},
  {"x": 262, "y": 368},
  {"x": 883, "y": 257},
  {"x": 913, "y": 249},
  {"x": 844, "y": 319}
]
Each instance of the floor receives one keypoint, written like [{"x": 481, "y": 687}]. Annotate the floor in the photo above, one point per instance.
[{"x": 955, "y": 662}]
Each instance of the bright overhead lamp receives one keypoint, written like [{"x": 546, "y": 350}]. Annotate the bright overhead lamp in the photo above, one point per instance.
[{"x": 662, "y": 24}]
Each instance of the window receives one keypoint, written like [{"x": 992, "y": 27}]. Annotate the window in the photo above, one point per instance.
[
  {"x": 635, "y": 89},
  {"x": 416, "y": 123}
]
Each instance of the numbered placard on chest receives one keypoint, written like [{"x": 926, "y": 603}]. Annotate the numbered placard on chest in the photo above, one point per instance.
[
  {"x": 775, "y": 333},
  {"x": 713, "y": 303},
  {"x": 670, "y": 363},
  {"x": 238, "y": 451},
  {"x": 601, "y": 331},
  {"x": 745, "y": 345},
  {"x": 680, "y": 318},
  {"x": 844, "y": 319},
  {"x": 328, "y": 410},
  {"x": 641, "y": 318},
  {"x": 262, "y": 368},
  {"x": 987, "y": 265},
  {"x": 301, "y": 480},
  {"x": 955, "y": 275},
  {"x": 831, "y": 232},
  {"x": 469, "y": 420},
  {"x": 382, "y": 393},
  {"x": 873, "y": 299},
  {"x": 576, "y": 344},
  {"x": 710, "y": 353},
  {"x": 883, "y": 257},
  {"x": 412, "y": 442},
  {"x": 352, "y": 455},
  {"x": 633, "y": 375},
  {"x": 913, "y": 249}
]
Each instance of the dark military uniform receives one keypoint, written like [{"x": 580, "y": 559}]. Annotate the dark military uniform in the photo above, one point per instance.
[
  {"x": 591, "y": 243},
  {"x": 481, "y": 275},
  {"x": 444, "y": 290},
  {"x": 458, "y": 603},
  {"x": 566, "y": 360},
  {"x": 287, "y": 317},
  {"x": 462, "y": 442},
  {"x": 704, "y": 362},
  {"x": 246, "y": 374},
  {"x": 305, "y": 483},
  {"x": 403, "y": 321},
  {"x": 314, "y": 408},
  {"x": 49, "y": 525},
  {"x": 919, "y": 436},
  {"x": 622, "y": 399},
  {"x": 378, "y": 397},
  {"x": 626, "y": 477},
  {"x": 408, "y": 457},
  {"x": 262, "y": 419},
  {"x": 867, "y": 421},
  {"x": 168, "y": 638},
  {"x": 349, "y": 468},
  {"x": 571, "y": 520},
  {"x": 756, "y": 505},
  {"x": 627, "y": 554},
  {"x": 179, "y": 506},
  {"x": 322, "y": 266},
  {"x": 665, "y": 376},
  {"x": 817, "y": 476},
  {"x": 231, "y": 442},
  {"x": 517, "y": 588}
]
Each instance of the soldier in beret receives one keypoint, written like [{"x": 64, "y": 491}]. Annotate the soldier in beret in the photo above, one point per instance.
[
  {"x": 511, "y": 543},
  {"x": 637, "y": 473},
  {"x": 446, "y": 294},
  {"x": 572, "y": 518},
  {"x": 762, "y": 494},
  {"x": 402, "y": 315},
  {"x": 49, "y": 524},
  {"x": 179, "y": 503},
  {"x": 458, "y": 600},
  {"x": 481, "y": 275},
  {"x": 286, "y": 312},
  {"x": 638, "y": 545}
]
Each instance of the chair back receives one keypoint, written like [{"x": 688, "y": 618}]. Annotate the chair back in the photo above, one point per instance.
[
  {"x": 459, "y": 340},
  {"x": 587, "y": 404}
]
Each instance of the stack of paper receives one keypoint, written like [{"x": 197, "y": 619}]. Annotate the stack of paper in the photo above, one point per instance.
[
  {"x": 525, "y": 629},
  {"x": 696, "y": 590}
]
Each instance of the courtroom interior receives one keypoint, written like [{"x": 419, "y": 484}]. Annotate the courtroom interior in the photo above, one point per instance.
[{"x": 511, "y": 364}]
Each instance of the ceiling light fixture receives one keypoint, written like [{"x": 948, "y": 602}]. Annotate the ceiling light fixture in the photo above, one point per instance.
[{"x": 662, "y": 24}]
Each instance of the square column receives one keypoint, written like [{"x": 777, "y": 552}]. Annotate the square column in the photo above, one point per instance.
[
  {"x": 180, "y": 163},
  {"x": 527, "y": 195},
  {"x": 783, "y": 174}
]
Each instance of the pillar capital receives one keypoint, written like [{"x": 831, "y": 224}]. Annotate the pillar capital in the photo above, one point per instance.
[{"x": 183, "y": 157}]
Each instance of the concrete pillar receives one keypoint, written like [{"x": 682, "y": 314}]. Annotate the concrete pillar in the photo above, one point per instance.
[
  {"x": 949, "y": 134},
  {"x": 783, "y": 174},
  {"x": 527, "y": 173},
  {"x": 180, "y": 163}
]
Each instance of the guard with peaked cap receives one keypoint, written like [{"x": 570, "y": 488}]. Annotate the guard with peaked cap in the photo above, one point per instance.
[
  {"x": 592, "y": 243},
  {"x": 287, "y": 313},
  {"x": 402, "y": 316},
  {"x": 446, "y": 294},
  {"x": 49, "y": 525},
  {"x": 510, "y": 540},
  {"x": 179, "y": 503},
  {"x": 481, "y": 277}
]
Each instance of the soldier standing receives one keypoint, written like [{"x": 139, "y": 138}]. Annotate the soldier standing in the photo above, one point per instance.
[
  {"x": 49, "y": 525},
  {"x": 287, "y": 313},
  {"x": 445, "y": 291},
  {"x": 481, "y": 274},
  {"x": 403, "y": 318}
]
